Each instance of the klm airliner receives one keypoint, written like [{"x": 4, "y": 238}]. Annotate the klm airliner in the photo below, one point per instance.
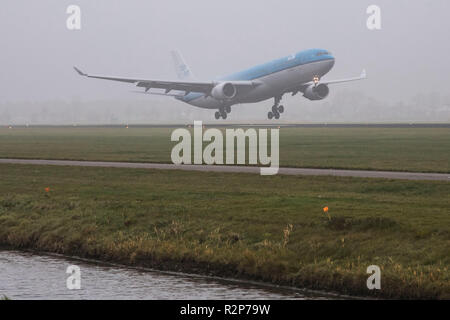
[{"x": 301, "y": 72}]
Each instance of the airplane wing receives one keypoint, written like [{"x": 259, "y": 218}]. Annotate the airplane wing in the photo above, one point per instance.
[
  {"x": 186, "y": 86},
  {"x": 361, "y": 77},
  {"x": 160, "y": 93},
  {"x": 304, "y": 86}
]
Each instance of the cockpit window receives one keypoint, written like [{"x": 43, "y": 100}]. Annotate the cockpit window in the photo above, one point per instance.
[{"x": 323, "y": 53}]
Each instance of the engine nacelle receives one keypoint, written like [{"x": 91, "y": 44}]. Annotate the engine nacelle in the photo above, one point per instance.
[
  {"x": 318, "y": 92},
  {"x": 224, "y": 91}
]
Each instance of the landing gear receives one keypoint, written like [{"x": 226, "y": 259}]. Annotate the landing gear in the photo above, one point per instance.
[
  {"x": 272, "y": 115},
  {"x": 223, "y": 113},
  {"x": 276, "y": 109}
]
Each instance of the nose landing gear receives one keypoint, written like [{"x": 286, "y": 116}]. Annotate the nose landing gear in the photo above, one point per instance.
[{"x": 276, "y": 109}]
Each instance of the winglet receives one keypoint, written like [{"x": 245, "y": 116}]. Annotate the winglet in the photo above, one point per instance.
[
  {"x": 80, "y": 72},
  {"x": 363, "y": 74}
]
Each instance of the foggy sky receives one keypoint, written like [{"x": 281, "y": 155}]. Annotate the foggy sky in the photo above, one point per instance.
[{"x": 408, "y": 56}]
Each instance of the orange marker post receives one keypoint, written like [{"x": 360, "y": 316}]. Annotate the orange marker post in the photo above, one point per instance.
[{"x": 325, "y": 210}]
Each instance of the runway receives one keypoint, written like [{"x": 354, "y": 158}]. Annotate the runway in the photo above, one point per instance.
[{"x": 238, "y": 169}]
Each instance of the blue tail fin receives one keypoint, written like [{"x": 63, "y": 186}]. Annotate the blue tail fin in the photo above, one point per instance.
[{"x": 182, "y": 69}]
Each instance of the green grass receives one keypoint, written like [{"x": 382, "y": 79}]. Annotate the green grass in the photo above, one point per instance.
[
  {"x": 246, "y": 226},
  {"x": 398, "y": 149}
]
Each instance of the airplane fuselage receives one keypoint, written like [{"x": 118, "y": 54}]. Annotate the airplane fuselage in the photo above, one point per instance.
[
  {"x": 275, "y": 78},
  {"x": 300, "y": 72}
]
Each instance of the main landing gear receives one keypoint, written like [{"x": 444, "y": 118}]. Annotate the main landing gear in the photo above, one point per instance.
[
  {"x": 222, "y": 113},
  {"x": 276, "y": 110}
]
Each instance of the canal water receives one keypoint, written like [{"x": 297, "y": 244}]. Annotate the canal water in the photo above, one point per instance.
[{"x": 25, "y": 275}]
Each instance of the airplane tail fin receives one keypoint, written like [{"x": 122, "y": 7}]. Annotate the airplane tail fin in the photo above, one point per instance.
[{"x": 182, "y": 69}]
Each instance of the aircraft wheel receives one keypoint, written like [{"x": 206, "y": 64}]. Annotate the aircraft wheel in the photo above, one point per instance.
[
  {"x": 217, "y": 115},
  {"x": 270, "y": 115},
  {"x": 277, "y": 115},
  {"x": 281, "y": 109},
  {"x": 228, "y": 109},
  {"x": 224, "y": 115},
  {"x": 274, "y": 109}
]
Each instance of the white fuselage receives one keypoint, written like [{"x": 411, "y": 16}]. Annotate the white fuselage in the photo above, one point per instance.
[{"x": 274, "y": 80}]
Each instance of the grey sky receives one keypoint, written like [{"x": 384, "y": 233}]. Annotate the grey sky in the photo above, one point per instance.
[{"x": 133, "y": 38}]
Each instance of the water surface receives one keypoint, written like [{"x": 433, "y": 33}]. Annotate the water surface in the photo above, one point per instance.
[{"x": 25, "y": 275}]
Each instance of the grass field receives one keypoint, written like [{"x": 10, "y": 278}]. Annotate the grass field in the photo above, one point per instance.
[
  {"x": 398, "y": 149},
  {"x": 238, "y": 225}
]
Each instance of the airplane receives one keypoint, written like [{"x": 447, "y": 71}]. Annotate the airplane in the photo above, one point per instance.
[{"x": 299, "y": 72}]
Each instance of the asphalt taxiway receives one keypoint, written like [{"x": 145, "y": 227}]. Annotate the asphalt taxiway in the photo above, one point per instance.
[{"x": 239, "y": 169}]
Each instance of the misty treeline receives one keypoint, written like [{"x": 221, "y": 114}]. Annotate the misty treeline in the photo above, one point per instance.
[{"x": 343, "y": 106}]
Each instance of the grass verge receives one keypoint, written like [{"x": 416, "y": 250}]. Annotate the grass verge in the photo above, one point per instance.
[
  {"x": 246, "y": 226},
  {"x": 394, "y": 149}
]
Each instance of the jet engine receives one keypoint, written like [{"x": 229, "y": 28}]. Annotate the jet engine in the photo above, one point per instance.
[
  {"x": 224, "y": 91},
  {"x": 318, "y": 92}
]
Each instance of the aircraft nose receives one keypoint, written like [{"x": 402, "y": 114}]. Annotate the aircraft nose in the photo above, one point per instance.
[{"x": 329, "y": 64}]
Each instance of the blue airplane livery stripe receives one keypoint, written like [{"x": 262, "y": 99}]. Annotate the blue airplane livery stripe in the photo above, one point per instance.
[{"x": 300, "y": 58}]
